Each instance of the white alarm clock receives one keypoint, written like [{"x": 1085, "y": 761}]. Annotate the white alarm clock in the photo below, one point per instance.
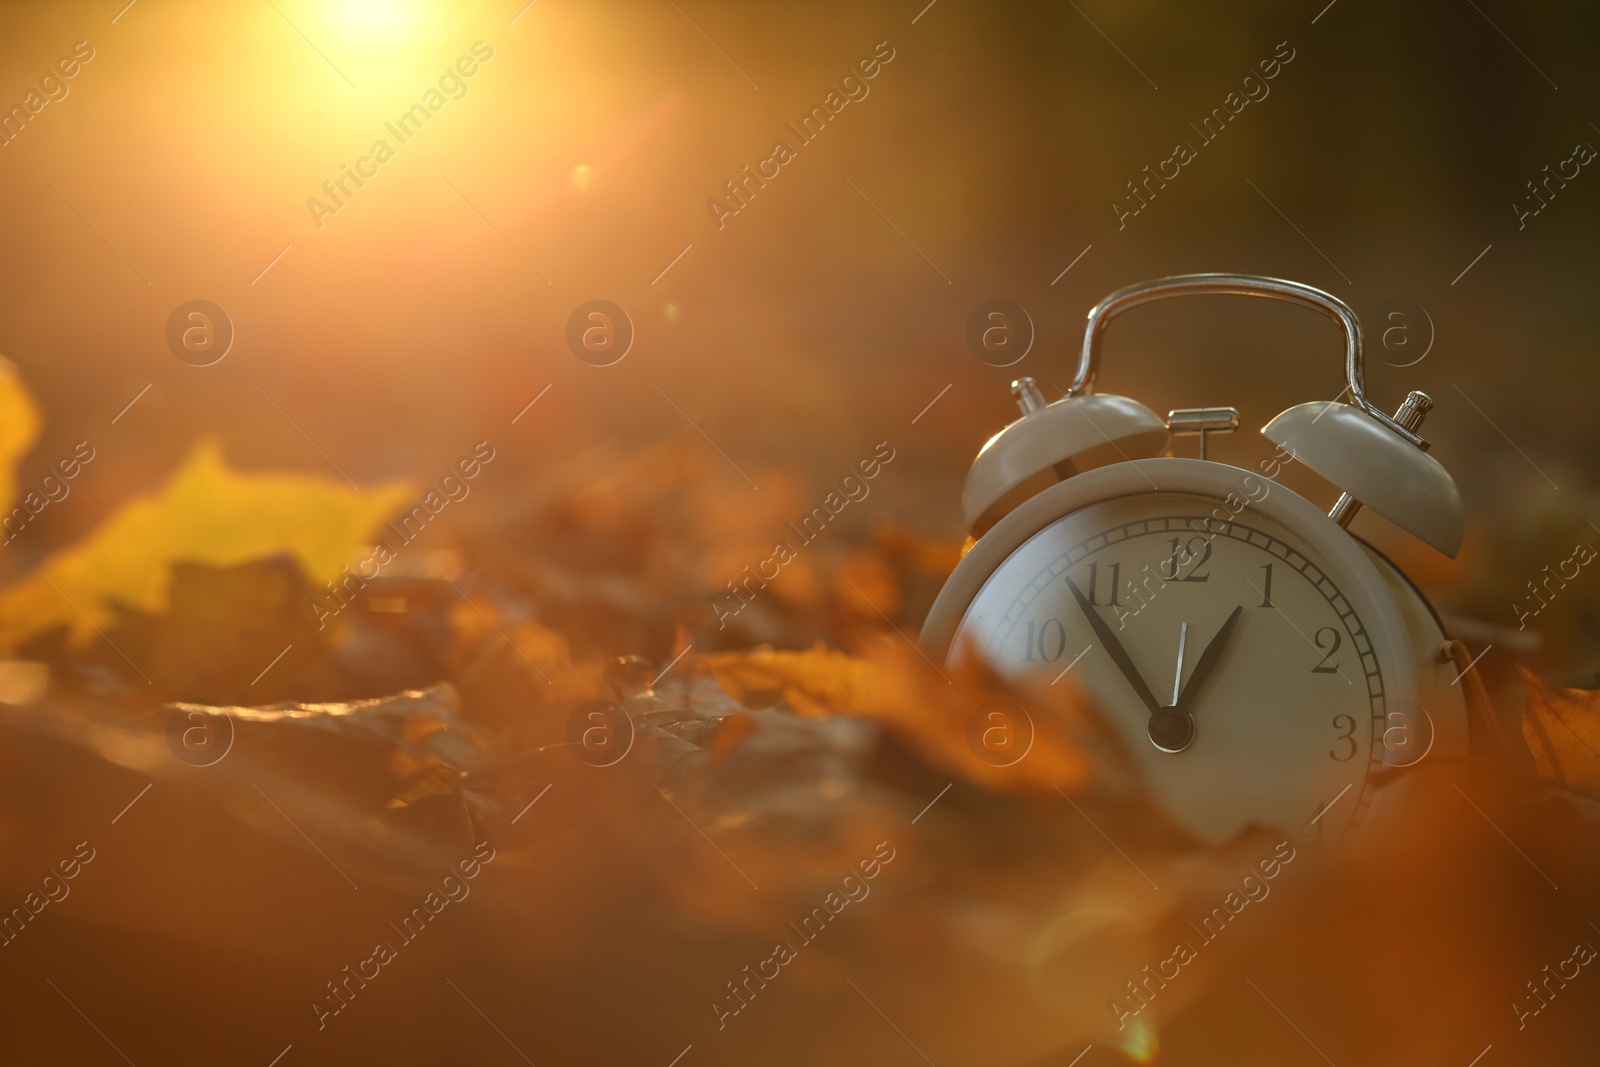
[{"x": 1263, "y": 665}]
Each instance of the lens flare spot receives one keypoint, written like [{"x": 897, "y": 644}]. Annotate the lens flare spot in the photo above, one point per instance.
[{"x": 1140, "y": 1042}]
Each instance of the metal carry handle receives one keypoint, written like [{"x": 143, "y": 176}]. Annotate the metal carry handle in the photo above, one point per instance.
[{"x": 1240, "y": 285}]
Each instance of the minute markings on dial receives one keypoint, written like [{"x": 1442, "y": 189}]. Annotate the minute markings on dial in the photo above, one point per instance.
[
  {"x": 1281, "y": 560},
  {"x": 1297, "y": 629},
  {"x": 1235, "y": 531}
]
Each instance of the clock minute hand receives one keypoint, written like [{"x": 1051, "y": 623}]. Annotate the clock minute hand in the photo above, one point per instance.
[
  {"x": 1208, "y": 660},
  {"x": 1119, "y": 655}
]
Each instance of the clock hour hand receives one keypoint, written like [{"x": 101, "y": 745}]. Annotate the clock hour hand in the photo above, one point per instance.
[
  {"x": 1119, "y": 655},
  {"x": 1208, "y": 660}
]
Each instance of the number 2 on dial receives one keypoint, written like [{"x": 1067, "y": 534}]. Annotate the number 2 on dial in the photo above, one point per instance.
[{"x": 1328, "y": 650}]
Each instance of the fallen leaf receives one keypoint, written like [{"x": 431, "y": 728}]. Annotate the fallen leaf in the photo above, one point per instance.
[
  {"x": 814, "y": 682},
  {"x": 19, "y": 428},
  {"x": 1562, "y": 728},
  {"x": 968, "y": 721},
  {"x": 871, "y": 585},
  {"x": 731, "y": 730},
  {"x": 506, "y": 665},
  {"x": 207, "y": 513},
  {"x": 942, "y": 714},
  {"x": 230, "y": 635}
]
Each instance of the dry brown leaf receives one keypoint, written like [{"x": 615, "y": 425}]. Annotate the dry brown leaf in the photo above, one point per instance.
[
  {"x": 950, "y": 717},
  {"x": 1562, "y": 728},
  {"x": 731, "y": 730},
  {"x": 944, "y": 714},
  {"x": 222, "y": 628},
  {"x": 871, "y": 585},
  {"x": 814, "y": 682},
  {"x": 542, "y": 654}
]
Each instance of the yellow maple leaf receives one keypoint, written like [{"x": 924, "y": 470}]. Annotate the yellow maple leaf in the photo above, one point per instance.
[
  {"x": 209, "y": 513},
  {"x": 1562, "y": 728},
  {"x": 19, "y": 428}
]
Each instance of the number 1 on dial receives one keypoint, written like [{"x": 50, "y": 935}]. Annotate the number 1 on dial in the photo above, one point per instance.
[{"x": 1266, "y": 590}]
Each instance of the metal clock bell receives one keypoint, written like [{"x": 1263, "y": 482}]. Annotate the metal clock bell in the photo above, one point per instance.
[{"x": 1262, "y": 663}]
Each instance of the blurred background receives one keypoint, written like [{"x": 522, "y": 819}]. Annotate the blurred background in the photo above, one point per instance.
[
  {"x": 1398, "y": 159},
  {"x": 424, "y": 315}
]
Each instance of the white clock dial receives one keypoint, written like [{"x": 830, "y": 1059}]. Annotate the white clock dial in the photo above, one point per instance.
[{"x": 1275, "y": 715}]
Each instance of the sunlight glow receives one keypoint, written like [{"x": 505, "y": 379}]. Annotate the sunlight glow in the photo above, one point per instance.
[{"x": 377, "y": 16}]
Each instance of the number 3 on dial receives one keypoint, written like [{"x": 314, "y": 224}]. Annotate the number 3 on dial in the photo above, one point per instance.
[{"x": 1347, "y": 723}]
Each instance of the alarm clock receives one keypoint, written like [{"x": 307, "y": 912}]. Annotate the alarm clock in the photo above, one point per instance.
[{"x": 1262, "y": 664}]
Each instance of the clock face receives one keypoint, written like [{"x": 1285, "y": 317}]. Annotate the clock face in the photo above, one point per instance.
[{"x": 1233, "y": 658}]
